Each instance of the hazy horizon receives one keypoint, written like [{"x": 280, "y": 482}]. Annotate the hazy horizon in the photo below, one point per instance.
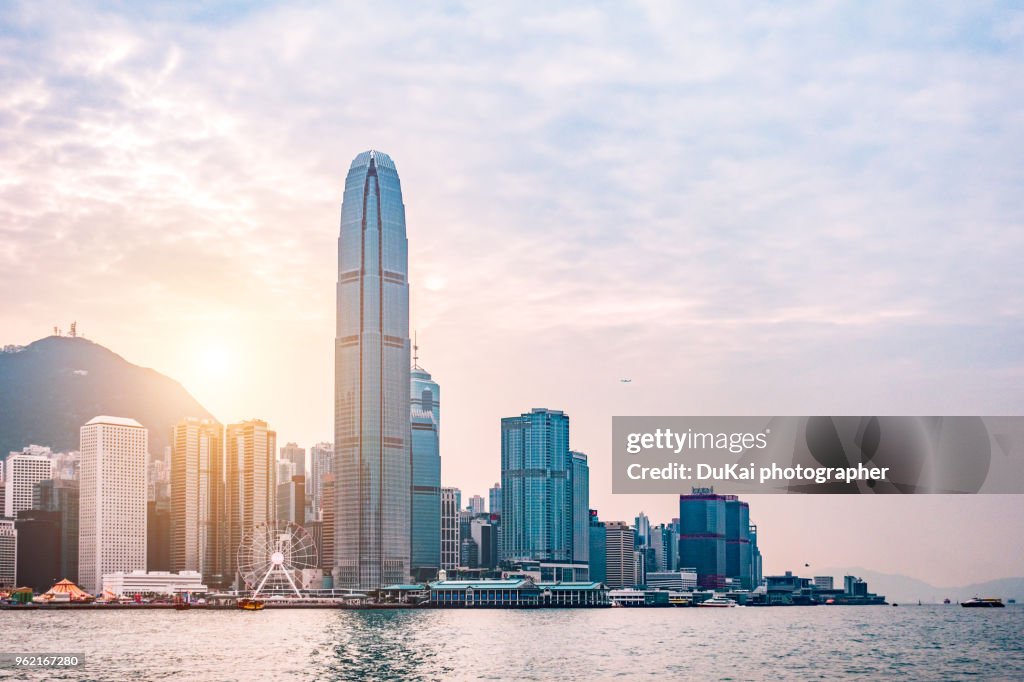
[{"x": 804, "y": 210}]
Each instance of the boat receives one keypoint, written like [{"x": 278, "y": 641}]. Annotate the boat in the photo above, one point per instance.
[
  {"x": 181, "y": 604},
  {"x": 718, "y": 601},
  {"x": 984, "y": 603},
  {"x": 946, "y": 600},
  {"x": 251, "y": 604}
]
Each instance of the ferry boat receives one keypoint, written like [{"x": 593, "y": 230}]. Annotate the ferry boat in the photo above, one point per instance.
[
  {"x": 984, "y": 603},
  {"x": 251, "y": 604},
  {"x": 718, "y": 601}
]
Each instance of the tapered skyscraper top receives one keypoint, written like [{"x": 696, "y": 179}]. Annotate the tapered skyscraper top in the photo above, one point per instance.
[{"x": 371, "y": 386}]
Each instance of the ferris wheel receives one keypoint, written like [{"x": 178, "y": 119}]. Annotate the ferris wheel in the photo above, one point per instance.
[{"x": 273, "y": 555}]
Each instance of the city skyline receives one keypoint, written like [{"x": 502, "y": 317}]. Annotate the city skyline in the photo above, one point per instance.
[{"x": 663, "y": 239}]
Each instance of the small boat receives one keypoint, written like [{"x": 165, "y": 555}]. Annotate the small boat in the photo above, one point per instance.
[
  {"x": 251, "y": 604},
  {"x": 984, "y": 603},
  {"x": 946, "y": 600},
  {"x": 718, "y": 601}
]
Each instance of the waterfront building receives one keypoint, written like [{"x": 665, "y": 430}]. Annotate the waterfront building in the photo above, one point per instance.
[
  {"x": 21, "y": 473},
  {"x": 823, "y": 582},
  {"x": 598, "y": 547},
  {"x": 112, "y": 499},
  {"x": 250, "y": 485},
  {"x": 494, "y": 501},
  {"x": 451, "y": 500},
  {"x": 321, "y": 463},
  {"x": 196, "y": 495},
  {"x": 371, "y": 397},
  {"x": 516, "y": 593},
  {"x": 60, "y": 495},
  {"x": 579, "y": 486},
  {"x": 684, "y": 580},
  {"x": 620, "y": 559},
  {"x": 8, "y": 554},
  {"x": 425, "y": 424},
  {"x": 166, "y": 583},
  {"x": 536, "y": 487},
  {"x": 717, "y": 538},
  {"x": 38, "y": 563}
]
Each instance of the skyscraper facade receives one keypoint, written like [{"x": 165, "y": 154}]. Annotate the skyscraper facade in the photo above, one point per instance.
[
  {"x": 536, "y": 488},
  {"x": 61, "y": 495},
  {"x": 8, "y": 553},
  {"x": 620, "y": 561},
  {"x": 21, "y": 473},
  {"x": 451, "y": 499},
  {"x": 425, "y": 422},
  {"x": 580, "y": 486},
  {"x": 598, "y": 549},
  {"x": 112, "y": 499},
  {"x": 250, "y": 485},
  {"x": 321, "y": 463},
  {"x": 371, "y": 387},
  {"x": 196, "y": 491}
]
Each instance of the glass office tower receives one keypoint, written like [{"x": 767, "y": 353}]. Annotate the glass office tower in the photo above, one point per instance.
[
  {"x": 425, "y": 407},
  {"x": 580, "y": 474},
  {"x": 371, "y": 385},
  {"x": 536, "y": 488}
]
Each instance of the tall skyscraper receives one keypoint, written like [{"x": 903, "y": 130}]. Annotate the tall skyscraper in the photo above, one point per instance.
[
  {"x": 536, "y": 488},
  {"x": 425, "y": 409},
  {"x": 112, "y": 499},
  {"x": 580, "y": 487},
  {"x": 250, "y": 484},
  {"x": 321, "y": 463},
  {"x": 371, "y": 386},
  {"x": 451, "y": 500},
  {"x": 328, "y": 531},
  {"x": 476, "y": 505},
  {"x": 620, "y": 561},
  {"x": 21, "y": 473},
  {"x": 196, "y": 490},
  {"x": 494, "y": 502}
]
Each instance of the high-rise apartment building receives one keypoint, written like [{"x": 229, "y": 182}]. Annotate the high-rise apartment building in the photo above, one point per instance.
[
  {"x": 451, "y": 500},
  {"x": 21, "y": 473},
  {"x": 112, "y": 499},
  {"x": 580, "y": 488},
  {"x": 196, "y": 496},
  {"x": 371, "y": 389},
  {"x": 250, "y": 484},
  {"x": 8, "y": 554},
  {"x": 425, "y": 422},
  {"x": 494, "y": 503},
  {"x": 620, "y": 559},
  {"x": 536, "y": 487}
]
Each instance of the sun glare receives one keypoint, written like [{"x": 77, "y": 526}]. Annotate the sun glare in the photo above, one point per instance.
[{"x": 215, "y": 361}]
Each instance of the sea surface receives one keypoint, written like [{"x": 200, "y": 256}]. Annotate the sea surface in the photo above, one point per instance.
[{"x": 814, "y": 642}]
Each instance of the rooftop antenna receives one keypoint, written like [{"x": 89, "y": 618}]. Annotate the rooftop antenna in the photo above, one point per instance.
[{"x": 415, "y": 351}]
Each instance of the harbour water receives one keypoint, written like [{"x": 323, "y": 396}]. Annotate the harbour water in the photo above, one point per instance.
[{"x": 816, "y": 642}]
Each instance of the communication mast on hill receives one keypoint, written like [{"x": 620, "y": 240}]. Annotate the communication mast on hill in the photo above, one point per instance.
[{"x": 73, "y": 333}]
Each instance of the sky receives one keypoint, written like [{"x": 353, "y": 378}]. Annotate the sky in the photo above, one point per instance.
[{"x": 811, "y": 208}]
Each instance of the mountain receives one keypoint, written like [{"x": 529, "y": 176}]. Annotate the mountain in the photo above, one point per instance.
[
  {"x": 51, "y": 387},
  {"x": 902, "y": 588}
]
